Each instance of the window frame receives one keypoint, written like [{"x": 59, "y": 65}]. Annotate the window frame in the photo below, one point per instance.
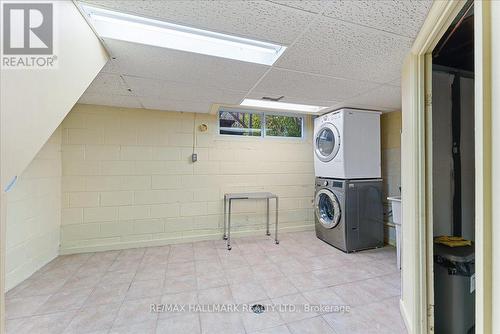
[{"x": 263, "y": 115}]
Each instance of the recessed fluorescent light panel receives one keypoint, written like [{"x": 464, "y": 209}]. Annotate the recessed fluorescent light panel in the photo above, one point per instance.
[
  {"x": 137, "y": 29},
  {"x": 281, "y": 105}
]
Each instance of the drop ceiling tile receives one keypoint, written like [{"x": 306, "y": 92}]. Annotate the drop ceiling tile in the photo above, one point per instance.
[
  {"x": 260, "y": 20},
  {"x": 311, "y": 102},
  {"x": 153, "y": 62},
  {"x": 345, "y": 50},
  {"x": 278, "y": 82},
  {"x": 143, "y": 87},
  {"x": 108, "y": 84},
  {"x": 396, "y": 82},
  {"x": 312, "y": 6},
  {"x": 289, "y": 99},
  {"x": 385, "y": 97},
  {"x": 360, "y": 106},
  {"x": 106, "y": 99},
  {"x": 111, "y": 66},
  {"x": 175, "y": 105},
  {"x": 400, "y": 17}
]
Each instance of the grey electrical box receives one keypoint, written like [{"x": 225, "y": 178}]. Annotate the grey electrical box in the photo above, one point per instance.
[{"x": 194, "y": 157}]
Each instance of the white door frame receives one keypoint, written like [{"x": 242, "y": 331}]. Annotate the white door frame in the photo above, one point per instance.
[{"x": 417, "y": 273}]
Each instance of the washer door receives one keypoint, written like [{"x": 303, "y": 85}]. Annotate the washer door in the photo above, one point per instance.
[
  {"x": 327, "y": 208},
  {"x": 327, "y": 142}
]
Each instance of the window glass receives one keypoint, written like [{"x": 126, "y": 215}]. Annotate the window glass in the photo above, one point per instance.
[
  {"x": 283, "y": 126},
  {"x": 259, "y": 124},
  {"x": 240, "y": 123}
]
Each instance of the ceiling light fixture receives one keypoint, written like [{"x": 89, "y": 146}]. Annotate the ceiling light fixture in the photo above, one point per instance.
[
  {"x": 142, "y": 30},
  {"x": 281, "y": 105}
]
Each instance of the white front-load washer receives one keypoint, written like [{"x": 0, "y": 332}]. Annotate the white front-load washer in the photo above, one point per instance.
[{"x": 347, "y": 144}]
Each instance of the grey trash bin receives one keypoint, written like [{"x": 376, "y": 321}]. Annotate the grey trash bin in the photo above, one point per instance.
[{"x": 454, "y": 289}]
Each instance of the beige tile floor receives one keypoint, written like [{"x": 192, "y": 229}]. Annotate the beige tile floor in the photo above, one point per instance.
[{"x": 111, "y": 292}]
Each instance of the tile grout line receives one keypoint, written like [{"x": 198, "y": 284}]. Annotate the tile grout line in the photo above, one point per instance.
[
  {"x": 77, "y": 310},
  {"x": 128, "y": 289},
  {"x": 92, "y": 292}
]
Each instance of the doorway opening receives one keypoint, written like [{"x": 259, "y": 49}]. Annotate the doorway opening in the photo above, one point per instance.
[{"x": 453, "y": 177}]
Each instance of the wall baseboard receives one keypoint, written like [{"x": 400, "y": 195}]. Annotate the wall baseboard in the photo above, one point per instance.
[{"x": 176, "y": 240}]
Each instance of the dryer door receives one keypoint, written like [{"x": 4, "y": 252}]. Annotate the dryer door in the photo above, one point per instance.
[
  {"x": 327, "y": 142},
  {"x": 327, "y": 208}
]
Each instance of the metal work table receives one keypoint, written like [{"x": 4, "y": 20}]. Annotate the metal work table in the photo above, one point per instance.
[{"x": 229, "y": 198}]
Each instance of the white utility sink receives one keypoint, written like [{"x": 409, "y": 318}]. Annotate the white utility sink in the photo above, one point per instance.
[{"x": 396, "y": 218}]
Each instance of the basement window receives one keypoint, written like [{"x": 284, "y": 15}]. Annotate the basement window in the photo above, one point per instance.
[
  {"x": 239, "y": 123},
  {"x": 259, "y": 124},
  {"x": 283, "y": 126}
]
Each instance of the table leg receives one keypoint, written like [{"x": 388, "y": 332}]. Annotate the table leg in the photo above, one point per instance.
[
  {"x": 267, "y": 218},
  {"x": 224, "y": 237},
  {"x": 229, "y": 227},
  {"x": 276, "y": 225}
]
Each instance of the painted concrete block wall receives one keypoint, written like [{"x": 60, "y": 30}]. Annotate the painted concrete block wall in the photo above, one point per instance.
[
  {"x": 391, "y": 163},
  {"x": 128, "y": 179},
  {"x": 34, "y": 214}
]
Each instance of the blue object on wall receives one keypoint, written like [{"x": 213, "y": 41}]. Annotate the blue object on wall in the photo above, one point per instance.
[{"x": 11, "y": 184}]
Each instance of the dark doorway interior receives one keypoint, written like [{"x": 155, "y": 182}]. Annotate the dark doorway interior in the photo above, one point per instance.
[
  {"x": 453, "y": 170},
  {"x": 456, "y": 48}
]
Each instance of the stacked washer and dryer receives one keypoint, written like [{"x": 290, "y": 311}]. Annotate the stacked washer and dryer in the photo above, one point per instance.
[{"x": 348, "y": 199}]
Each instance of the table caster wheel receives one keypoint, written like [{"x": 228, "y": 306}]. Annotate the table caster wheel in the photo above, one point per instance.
[
  {"x": 268, "y": 234},
  {"x": 277, "y": 242},
  {"x": 224, "y": 238},
  {"x": 229, "y": 248}
]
